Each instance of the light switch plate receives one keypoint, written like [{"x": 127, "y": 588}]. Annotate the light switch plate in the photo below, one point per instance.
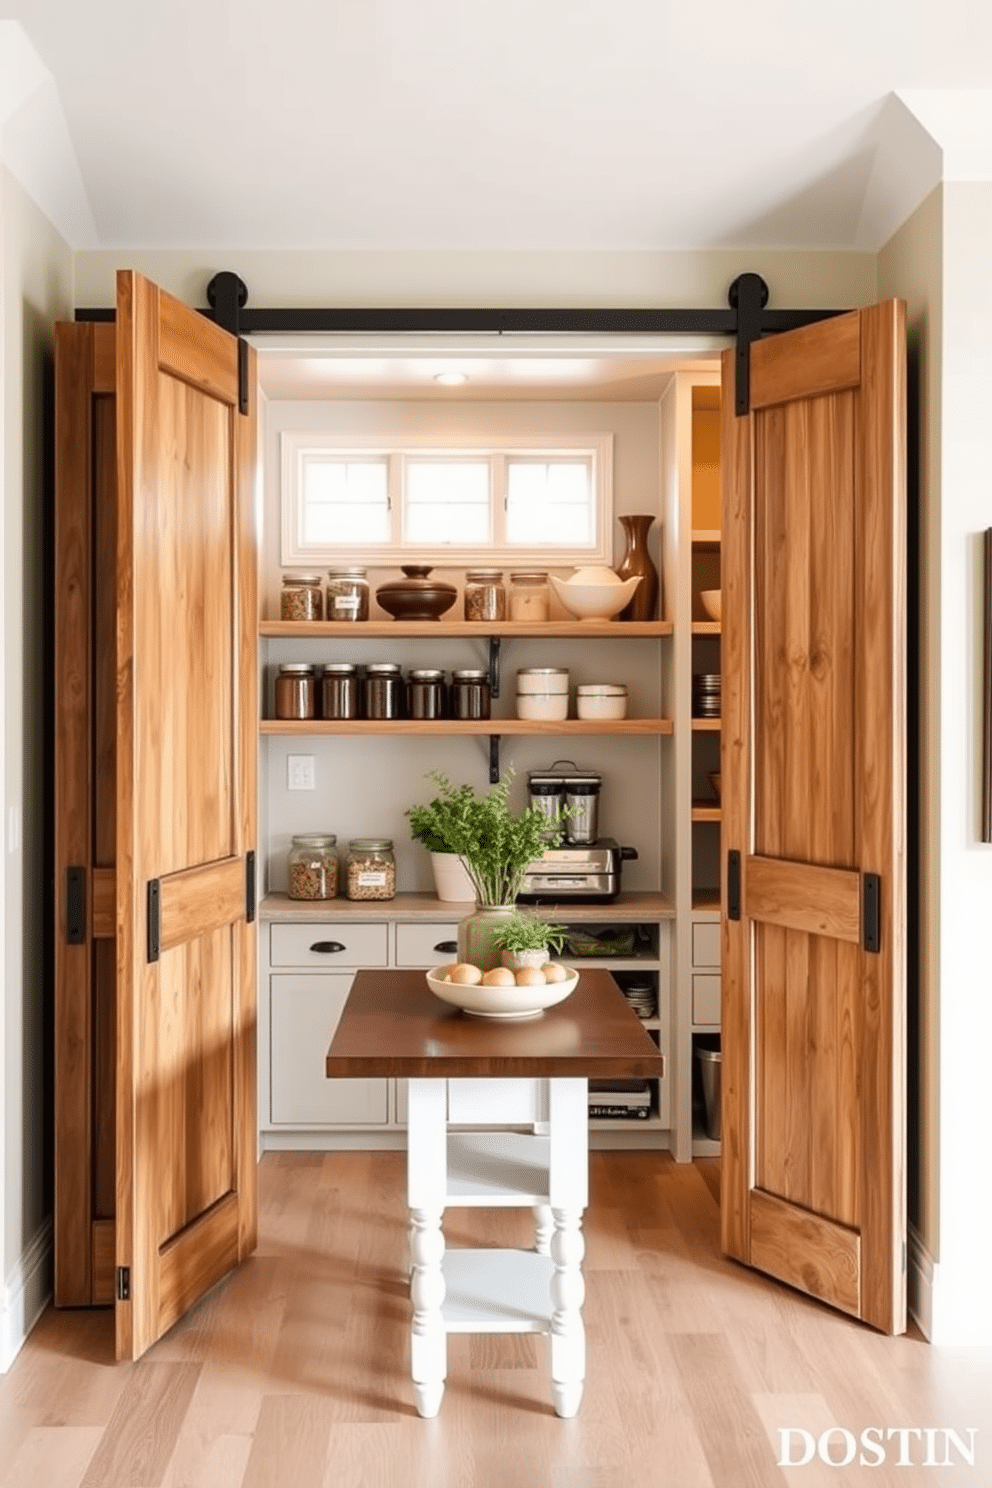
[{"x": 301, "y": 773}]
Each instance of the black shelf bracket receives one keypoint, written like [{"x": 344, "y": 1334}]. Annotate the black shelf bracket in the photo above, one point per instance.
[
  {"x": 494, "y": 759},
  {"x": 494, "y": 649}
]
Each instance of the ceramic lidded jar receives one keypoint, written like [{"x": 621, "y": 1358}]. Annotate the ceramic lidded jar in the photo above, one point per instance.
[{"x": 416, "y": 596}]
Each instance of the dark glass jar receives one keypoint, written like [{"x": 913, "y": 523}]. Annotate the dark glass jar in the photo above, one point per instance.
[
  {"x": 470, "y": 693},
  {"x": 296, "y": 691},
  {"x": 382, "y": 690},
  {"x": 339, "y": 690},
  {"x": 425, "y": 693}
]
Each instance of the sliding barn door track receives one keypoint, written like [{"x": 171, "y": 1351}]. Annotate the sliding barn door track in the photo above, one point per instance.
[{"x": 746, "y": 319}]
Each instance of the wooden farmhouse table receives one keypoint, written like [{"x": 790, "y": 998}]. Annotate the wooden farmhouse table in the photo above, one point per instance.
[{"x": 497, "y": 1116}]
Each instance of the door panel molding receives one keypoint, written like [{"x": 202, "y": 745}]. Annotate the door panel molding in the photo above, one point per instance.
[
  {"x": 801, "y": 896},
  {"x": 197, "y": 1257},
  {"x": 821, "y": 358},
  {"x": 194, "y": 901},
  {"x": 814, "y": 1254}
]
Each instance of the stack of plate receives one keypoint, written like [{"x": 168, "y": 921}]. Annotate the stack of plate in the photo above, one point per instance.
[
  {"x": 641, "y": 997},
  {"x": 706, "y": 695}
]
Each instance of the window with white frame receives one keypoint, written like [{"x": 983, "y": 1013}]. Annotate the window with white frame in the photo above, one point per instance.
[{"x": 512, "y": 499}]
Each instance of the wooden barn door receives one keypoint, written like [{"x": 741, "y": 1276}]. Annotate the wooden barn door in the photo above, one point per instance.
[
  {"x": 813, "y": 762},
  {"x": 186, "y": 808}
]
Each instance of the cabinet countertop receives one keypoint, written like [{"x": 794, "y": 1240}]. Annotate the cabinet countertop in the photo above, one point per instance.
[{"x": 628, "y": 907}]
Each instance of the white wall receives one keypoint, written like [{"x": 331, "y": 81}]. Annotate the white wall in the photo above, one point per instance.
[
  {"x": 36, "y": 291},
  {"x": 963, "y": 1286}
]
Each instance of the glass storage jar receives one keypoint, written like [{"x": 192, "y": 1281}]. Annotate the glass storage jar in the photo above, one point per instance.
[
  {"x": 485, "y": 594},
  {"x": 296, "y": 690},
  {"x": 382, "y": 690},
  {"x": 339, "y": 690},
  {"x": 425, "y": 693},
  {"x": 470, "y": 693},
  {"x": 301, "y": 598},
  {"x": 347, "y": 594},
  {"x": 313, "y": 867},
  {"x": 530, "y": 596},
  {"x": 370, "y": 871}
]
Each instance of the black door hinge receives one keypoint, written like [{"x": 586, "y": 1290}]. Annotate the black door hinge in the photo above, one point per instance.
[
  {"x": 249, "y": 886},
  {"x": 75, "y": 906},
  {"x": 123, "y": 1283},
  {"x": 733, "y": 884},
  {"x": 154, "y": 919},
  {"x": 871, "y": 912},
  {"x": 748, "y": 295}
]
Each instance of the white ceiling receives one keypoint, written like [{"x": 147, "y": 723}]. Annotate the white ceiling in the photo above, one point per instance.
[{"x": 497, "y": 124}]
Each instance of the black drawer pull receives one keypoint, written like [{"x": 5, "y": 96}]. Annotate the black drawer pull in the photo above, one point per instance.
[
  {"x": 328, "y": 947},
  {"x": 447, "y": 947}
]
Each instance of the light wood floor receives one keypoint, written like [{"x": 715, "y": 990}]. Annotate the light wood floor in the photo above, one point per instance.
[{"x": 293, "y": 1372}]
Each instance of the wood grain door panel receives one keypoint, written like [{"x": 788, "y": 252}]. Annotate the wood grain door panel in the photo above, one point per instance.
[
  {"x": 813, "y": 752},
  {"x": 186, "y": 791}
]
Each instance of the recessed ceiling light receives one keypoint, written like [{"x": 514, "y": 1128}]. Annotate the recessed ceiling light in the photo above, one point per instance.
[{"x": 450, "y": 379}]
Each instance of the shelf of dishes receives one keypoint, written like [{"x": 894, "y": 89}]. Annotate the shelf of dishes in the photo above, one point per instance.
[{"x": 507, "y": 726}]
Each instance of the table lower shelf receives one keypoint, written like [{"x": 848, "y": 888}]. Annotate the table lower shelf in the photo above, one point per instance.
[{"x": 497, "y": 1291}]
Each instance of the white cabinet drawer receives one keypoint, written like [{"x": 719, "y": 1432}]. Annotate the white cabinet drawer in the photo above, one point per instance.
[
  {"x": 304, "y": 1012},
  {"x": 345, "y": 943},
  {"x": 705, "y": 943},
  {"x": 705, "y": 999},
  {"x": 420, "y": 944}
]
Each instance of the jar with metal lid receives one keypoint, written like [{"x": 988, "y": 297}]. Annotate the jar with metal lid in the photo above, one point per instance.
[
  {"x": 301, "y": 598},
  {"x": 530, "y": 596},
  {"x": 485, "y": 594},
  {"x": 339, "y": 690},
  {"x": 296, "y": 690},
  {"x": 470, "y": 693},
  {"x": 425, "y": 693},
  {"x": 347, "y": 594},
  {"x": 313, "y": 867},
  {"x": 382, "y": 690},
  {"x": 370, "y": 871}
]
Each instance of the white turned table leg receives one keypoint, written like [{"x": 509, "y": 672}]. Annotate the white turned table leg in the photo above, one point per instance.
[
  {"x": 427, "y": 1181},
  {"x": 568, "y": 1290},
  {"x": 428, "y": 1340},
  {"x": 543, "y": 1228}
]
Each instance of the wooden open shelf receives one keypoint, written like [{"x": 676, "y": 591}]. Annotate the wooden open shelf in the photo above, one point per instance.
[
  {"x": 706, "y": 725},
  {"x": 706, "y": 811},
  {"x": 706, "y": 627},
  {"x": 706, "y": 537},
  {"x": 613, "y": 630},
  {"x": 476, "y": 726}
]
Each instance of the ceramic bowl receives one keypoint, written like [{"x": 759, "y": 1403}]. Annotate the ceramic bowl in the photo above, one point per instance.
[
  {"x": 594, "y": 593},
  {"x": 416, "y": 597},
  {"x": 711, "y": 602},
  {"x": 500, "y": 1002},
  {"x": 605, "y": 701},
  {"x": 546, "y": 706}
]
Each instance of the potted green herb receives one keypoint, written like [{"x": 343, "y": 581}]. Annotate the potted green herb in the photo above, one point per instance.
[
  {"x": 526, "y": 940},
  {"x": 496, "y": 846}
]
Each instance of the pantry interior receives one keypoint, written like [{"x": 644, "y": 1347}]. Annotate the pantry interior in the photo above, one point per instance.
[{"x": 660, "y": 408}]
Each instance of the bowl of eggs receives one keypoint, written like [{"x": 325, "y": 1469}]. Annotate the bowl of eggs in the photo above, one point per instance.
[{"x": 501, "y": 992}]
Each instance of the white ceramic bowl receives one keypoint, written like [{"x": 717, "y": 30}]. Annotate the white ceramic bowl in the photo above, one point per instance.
[
  {"x": 500, "y": 1002},
  {"x": 542, "y": 680},
  {"x": 594, "y": 599},
  {"x": 546, "y": 706},
  {"x": 711, "y": 602},
  {"x": 607, "y": 701}
]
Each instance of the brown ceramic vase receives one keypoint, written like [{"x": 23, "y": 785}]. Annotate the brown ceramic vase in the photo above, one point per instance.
[{"x": 637, "y": 560}]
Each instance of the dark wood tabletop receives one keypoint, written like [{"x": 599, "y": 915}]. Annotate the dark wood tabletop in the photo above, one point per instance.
[{"x": 393, "y": 1025}]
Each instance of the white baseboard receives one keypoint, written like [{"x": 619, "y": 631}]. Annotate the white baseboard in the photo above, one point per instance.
[
  {"x": 25, "y": 1295},
  {"x": 919, "y": 1283}
]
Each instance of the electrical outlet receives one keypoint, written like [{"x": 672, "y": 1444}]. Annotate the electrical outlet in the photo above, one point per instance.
[{"x": 301, "y": 772}]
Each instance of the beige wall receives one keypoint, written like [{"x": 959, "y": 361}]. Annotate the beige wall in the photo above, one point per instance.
[
  {"x": 911, "y": 266},
  {"x": 36, "y": 290},
  {"x": 796, "y": 280}
]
